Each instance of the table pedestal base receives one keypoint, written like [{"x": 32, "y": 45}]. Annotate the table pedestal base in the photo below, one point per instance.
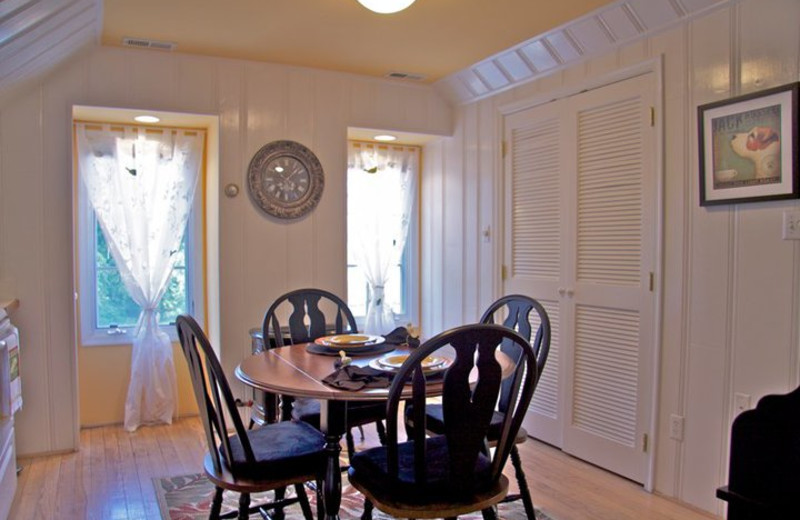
[{"x": 332, "y": 424}]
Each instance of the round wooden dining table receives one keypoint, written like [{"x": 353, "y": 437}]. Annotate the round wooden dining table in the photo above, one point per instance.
[{"x": 294, "y": 371}]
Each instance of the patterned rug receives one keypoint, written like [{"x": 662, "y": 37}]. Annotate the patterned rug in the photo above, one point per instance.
[{"x": 188, "y": 497}]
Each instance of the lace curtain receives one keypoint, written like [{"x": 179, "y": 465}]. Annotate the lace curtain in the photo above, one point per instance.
[
  {"x": 381, "y": 187},
  {"x": 141, "y": 184}
]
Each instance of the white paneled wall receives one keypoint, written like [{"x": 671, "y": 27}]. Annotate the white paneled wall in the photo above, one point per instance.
[
  {"x": 730, "y": 285},
  {"x": 260, "y": 258}
]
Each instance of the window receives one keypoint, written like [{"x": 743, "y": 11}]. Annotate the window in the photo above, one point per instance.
[
  {"x": 382, "y": 229},
  {"x": 115, "y": 311},
  {"x": 108, "y": 315}
]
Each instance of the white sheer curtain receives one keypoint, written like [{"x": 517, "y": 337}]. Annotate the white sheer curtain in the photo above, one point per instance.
[
  {"x": 381, "y": 188},
  {"x": 141, "y": 183}
]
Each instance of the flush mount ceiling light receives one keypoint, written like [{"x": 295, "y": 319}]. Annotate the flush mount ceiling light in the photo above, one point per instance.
[
  {"x": 147, "y": 119},
  {"x": 385, "y": 137},
  {"x": 386, "y": 6}
]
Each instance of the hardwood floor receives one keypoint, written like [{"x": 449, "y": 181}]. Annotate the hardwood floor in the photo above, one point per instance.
[{"x": 110, "y": 479}]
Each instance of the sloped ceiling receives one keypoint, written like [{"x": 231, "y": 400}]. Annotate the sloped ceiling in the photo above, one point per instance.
[
  {"x": 36, "y": 35},
  {"x": 591, "y": 35}
]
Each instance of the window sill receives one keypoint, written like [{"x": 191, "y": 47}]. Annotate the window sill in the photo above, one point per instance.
[{"x": 102, "y": 339}]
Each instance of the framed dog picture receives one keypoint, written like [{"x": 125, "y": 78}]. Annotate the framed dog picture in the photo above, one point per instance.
[{"x": 748, "y": 147}]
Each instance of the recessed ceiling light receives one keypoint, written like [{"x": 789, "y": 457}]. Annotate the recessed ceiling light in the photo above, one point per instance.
[
  {"x": 386, "y": 6},
  {"x": 385, "y": 137},
  {"x": 147, "y": 119}
]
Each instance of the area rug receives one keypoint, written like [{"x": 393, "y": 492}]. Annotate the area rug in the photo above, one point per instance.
[{"x": 188, "y": 497}]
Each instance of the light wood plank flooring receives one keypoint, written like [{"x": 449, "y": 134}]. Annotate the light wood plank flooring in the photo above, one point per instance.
[{"x": 110, "y": 479}]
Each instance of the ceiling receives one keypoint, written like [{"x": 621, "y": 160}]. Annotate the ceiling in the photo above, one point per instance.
[
  {"x": 432, "y": 38},
  {"x": 467, "y": 49}
]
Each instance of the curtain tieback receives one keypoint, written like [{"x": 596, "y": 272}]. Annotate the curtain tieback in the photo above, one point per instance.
[{"x": 377, "y": 295}]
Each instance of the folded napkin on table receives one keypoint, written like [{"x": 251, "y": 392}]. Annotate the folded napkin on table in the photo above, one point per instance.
[
  {"x": 399, "y": 336},
  {"x": 352, "y": 377}
]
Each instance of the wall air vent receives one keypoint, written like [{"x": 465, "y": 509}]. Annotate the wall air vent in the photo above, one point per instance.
[
  {"x": 143, "y": 43},
  {"x": 407, "y": 76}
]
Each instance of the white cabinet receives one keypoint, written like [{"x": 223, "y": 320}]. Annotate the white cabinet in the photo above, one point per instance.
[
  {"x": 10, "y": 402},
  {"x": 8, "y": 466}
]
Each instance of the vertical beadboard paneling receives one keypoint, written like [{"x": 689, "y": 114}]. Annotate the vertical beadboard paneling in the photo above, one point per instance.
[
  {"x": 232, "y": 110},
  {"x": 673, "y": 115},
  {"x": 108, "y": 74},
  {"x": 453, "y": 278},
  {"x": 471, "y": 234},
  {"x": 300, "y": 120},
  {"x": 330, "y": 134},
  {"x": 489, "y": 212},
  {"x": 433, "y": 264},
  {"x": 196, "y": 86},
  {"x": 264, "y": 249},
  {"x": 771, "y": 61},
  {"x": 764, "y": 313},
  {"x": 25, "y": 261},
  {"x": 255, "y": 252},
  {"x": 702, "y": 458},
  {"x": 57, "y": 136},
  {"x": 709, "y": 275},
  {"x": 153, "y": 80},
  {"x": 709, "y": 280},
  {"x": 709, "y": 256}
]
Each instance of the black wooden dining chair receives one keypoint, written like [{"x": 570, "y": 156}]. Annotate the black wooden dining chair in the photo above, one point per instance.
[
  {"x": 271, "y": 457},
  {"x": 454, "y": 473},
  {"x": 311, "y": 314},
  {"x": 515, "y": 312}
]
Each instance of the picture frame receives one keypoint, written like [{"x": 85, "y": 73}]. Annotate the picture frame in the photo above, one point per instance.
[{"x": 748, "y": 147}]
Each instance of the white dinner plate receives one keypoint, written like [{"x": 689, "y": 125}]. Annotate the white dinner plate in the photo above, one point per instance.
[
  {"x": 348, "y": 341},
  {"x": 441, "y": 367}
]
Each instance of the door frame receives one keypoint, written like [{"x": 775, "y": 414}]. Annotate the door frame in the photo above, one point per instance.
[{"x": 655, "y": 66}]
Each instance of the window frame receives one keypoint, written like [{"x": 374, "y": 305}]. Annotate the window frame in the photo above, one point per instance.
[{"x": 85, "y": 234}]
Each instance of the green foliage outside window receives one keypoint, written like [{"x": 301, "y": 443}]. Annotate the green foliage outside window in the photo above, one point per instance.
[{"x": 115, "y": 307}]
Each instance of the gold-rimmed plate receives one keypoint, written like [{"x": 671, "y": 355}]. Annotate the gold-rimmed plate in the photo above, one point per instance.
[
  {"x": 348, "y": 341},
  {"x": 432, "y": 369},
  {"x": 396, "y": 361}
]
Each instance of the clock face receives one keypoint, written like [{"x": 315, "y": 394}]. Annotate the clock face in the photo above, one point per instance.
[{"x": 285, "y": 179}]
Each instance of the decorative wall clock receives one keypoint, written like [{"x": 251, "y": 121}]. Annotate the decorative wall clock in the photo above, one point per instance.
[{"x": 285, "y": 179}]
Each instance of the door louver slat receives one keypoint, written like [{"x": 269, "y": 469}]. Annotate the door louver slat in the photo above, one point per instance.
[
  {"x": 535, "y": 218},
  {"x": 610, "y": 194},
  {"x": 545, "y": 399},
  {"x": 606, "y": 372}
]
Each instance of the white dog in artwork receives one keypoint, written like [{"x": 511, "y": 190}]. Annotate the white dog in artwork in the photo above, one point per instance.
[{"x": 762, "y": 145}]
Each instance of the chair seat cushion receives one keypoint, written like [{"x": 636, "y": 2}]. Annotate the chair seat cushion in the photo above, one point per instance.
[
  {"x": 358, "y": 412},
  {"x": 434, "y": 422},
  {"x": 369, "y": 468},
  {"x": 282, "y": 450}
]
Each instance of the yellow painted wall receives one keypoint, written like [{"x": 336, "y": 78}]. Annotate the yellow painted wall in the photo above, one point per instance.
[{"x": 103, "y": 375}]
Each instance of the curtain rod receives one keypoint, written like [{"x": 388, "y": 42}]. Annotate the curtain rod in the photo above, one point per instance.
[
  {"x": 383, "y": 145},
  {"x": 154, "y": 128}
]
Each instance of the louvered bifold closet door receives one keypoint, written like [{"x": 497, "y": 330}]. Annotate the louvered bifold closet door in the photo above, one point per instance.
[
  {"x": 612, "y": 303},
  {"x": 534, "y": 227}
]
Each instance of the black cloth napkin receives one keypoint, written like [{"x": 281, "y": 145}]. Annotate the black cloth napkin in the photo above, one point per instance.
[
  {"x": 399, "y": 336},
  {"x": 353, "y": 377}
]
